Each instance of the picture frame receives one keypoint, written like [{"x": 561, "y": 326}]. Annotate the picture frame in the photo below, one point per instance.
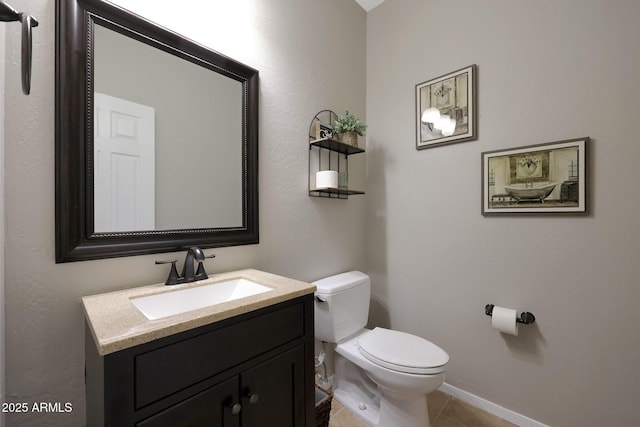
[
  {"x": 324, "y": 131},
  {"x": 446, "y": 109},
  {"x": 548, "y": 178}
]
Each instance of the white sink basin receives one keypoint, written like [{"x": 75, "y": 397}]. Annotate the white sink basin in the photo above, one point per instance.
[{"x": 176, "y": 302}]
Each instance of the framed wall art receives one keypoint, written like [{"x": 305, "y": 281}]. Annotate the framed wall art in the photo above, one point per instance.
[
  {"x": 324, "y": 131},
  {"x": 446, "y": 109},
  {"x": 537, "y": 179}
]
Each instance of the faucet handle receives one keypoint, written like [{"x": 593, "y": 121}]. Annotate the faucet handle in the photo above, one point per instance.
[
  {"x": 173, "y": 273},
  {"x": 201, "y": 274}
]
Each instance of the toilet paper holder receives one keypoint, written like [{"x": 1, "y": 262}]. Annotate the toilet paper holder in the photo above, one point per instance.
[{"x": 525, "y": 316}]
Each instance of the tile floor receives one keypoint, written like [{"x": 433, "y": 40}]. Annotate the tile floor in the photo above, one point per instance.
[{"x": 444, "y": 411}]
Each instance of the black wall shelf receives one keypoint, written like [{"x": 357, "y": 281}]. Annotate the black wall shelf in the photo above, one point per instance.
[
  {"x": 329, "y": 152},
  {"x": 334, "y": 145}
]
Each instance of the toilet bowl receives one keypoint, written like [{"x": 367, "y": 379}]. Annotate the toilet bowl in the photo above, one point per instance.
[{"x": 381, "y": 375}]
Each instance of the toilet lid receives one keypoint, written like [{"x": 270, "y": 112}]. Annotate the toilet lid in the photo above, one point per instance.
[{"x": 402, "y": 352}]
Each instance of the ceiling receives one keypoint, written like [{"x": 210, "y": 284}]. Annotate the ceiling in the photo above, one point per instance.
[{"x": 369, "y": 4}]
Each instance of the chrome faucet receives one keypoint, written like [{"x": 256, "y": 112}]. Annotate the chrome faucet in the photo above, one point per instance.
[{"x": 189, "y": 273}]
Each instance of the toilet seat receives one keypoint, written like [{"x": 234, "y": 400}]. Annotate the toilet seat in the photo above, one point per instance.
[{"x": 402, "y": 352}]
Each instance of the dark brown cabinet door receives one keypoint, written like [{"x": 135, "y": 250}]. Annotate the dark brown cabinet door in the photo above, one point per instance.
[
  {"x": 213, "y": 407},
  {"x": 272, "y": 393}
]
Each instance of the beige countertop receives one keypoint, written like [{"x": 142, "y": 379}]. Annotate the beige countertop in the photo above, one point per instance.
[{"x": 116, "y": 324}]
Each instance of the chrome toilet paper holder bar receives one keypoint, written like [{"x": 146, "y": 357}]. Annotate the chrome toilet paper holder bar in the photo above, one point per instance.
[{"x": 525, "y": 316}]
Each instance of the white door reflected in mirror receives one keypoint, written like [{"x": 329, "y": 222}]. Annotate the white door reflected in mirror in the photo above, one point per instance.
[{"x": 124, "y": 158}]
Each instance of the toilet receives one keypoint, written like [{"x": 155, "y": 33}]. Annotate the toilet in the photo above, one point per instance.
[{"x": 381, "y": 375}]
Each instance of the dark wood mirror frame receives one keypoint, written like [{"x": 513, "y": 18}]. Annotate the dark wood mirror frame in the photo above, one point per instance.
[{"x": 75, "y": 236}]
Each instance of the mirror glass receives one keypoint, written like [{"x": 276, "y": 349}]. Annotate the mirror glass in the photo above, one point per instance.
[
  {"x": 167, "y": 140},
  {"x": 156, "y": 138}
]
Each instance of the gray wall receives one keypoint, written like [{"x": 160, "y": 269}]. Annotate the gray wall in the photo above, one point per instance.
[
  {"x": 300, "y": 237},
  {"x": 548, "y": 70},
  {"x": 2, "y": 318}
]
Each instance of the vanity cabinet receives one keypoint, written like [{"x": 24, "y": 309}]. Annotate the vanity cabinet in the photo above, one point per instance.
[{"x": 254, "y": 369}]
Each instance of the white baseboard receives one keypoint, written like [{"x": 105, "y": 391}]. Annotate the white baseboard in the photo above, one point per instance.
[{"x": 490, "y": 407}]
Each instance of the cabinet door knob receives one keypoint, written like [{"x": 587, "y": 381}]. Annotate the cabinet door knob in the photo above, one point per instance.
[
  {"x": 253, "y": 398},
  {"x": 235, "y": 409}
]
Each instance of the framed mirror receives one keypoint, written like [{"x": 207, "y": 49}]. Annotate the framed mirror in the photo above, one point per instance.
[{"x": 156, "y": 138}]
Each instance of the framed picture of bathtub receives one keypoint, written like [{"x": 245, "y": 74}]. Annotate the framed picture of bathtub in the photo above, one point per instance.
[
  {"x": 446, "y": 109},
  {"x": 537, "y": 179}
]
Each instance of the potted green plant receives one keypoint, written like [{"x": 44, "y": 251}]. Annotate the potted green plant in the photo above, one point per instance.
[{"x": 349, "y": 127}]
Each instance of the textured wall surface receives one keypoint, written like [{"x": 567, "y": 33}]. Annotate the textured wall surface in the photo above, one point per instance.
[
  {"x": 295, "y": 46},
  {"x": 547, "y": 71},
  {"x": 2, "y": 321}
]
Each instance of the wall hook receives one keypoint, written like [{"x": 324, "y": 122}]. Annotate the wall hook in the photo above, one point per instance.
[
  {"x": 525, "y": 316},
  {"x": 9, "y": 14}
]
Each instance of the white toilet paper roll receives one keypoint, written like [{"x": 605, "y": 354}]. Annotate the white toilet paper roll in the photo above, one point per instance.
[
  {"x": 327, "y": 179},
  {"x": 504, "y": 320}
]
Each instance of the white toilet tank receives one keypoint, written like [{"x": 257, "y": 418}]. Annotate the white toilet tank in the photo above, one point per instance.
[{"x": 342, "y": 305}]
